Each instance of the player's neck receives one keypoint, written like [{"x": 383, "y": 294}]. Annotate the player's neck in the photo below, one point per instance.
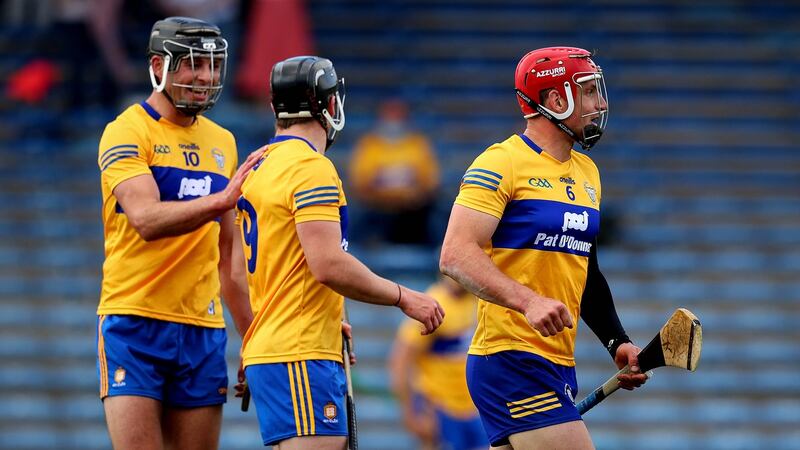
[
  {"x": 310, "y": 131},
  {"x": 167, "y": 110},
  {"x": 550, "y": 139}
]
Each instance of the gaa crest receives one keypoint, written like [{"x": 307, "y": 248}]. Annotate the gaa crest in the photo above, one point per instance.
[
  {"x": 329, "y": 410},
  {"x": 219, "y": 157},
  {"x": 590, "y": 192},
  {"x": 119, "y": 377}
]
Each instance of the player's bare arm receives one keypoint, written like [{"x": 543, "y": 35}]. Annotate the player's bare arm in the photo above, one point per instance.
[
  {"x": 422, "y": 422},
  {"x": 232, "y": 277},
  {"x": 154, "y": 219},
  {"x": 464, "y": 260},
  {"x": 342, "y": 272}
]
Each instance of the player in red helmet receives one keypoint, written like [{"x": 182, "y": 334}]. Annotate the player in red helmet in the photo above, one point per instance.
[
  {"x": 523, "y": 237},
  {"x": 569, "y": 73}
]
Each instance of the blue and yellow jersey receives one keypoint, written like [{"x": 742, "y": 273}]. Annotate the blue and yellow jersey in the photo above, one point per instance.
[
  {"x": 549, "y": 215},
  {"x": 296, "y": 317},
  {"x": 442, "y": 356},
  {"x": 173, "y": 279}
]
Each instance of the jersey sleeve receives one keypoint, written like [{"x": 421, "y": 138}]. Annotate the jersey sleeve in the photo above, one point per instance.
[
  {"x": 122, "y": 155},
  {"x": 317, "y": 192},
  {"x": 487, "y": 184}
]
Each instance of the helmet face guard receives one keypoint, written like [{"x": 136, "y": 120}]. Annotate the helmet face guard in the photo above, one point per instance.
[
  {"x": 571, "y": 72},
  {"x": 335, "y": 122},
  {"x": 591, "y": 133},
  {"x": 198, "y": 44}
]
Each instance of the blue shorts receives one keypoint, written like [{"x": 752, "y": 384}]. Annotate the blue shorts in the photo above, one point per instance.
[
  {"x": 455, "y": 433},
  {"x": 303, "y": 398},
  {"x": 178, "y": 364},
  {"x": 519, "y": 391}
]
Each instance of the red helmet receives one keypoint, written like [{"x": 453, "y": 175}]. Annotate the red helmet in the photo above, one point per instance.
[{"x": 563, "y": 69}]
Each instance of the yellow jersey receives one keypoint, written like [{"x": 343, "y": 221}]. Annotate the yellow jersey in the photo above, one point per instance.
[
  {"x": 549, "y": 215},
  {"x": 296, "y": 317},
  {"x": 394, "y": 169},
  {"x": 441, "y": 363},
  {"x": 176, "y": 278}
]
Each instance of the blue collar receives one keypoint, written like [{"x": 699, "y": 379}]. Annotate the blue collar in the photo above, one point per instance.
[
  {"x": 530, "y": 143},
  {"x": 286, "y": 137},
  {"x": 152, "y": 112}
]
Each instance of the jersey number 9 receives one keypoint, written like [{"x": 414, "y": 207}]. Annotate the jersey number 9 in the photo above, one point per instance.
[{"x": 249, "y": 231}]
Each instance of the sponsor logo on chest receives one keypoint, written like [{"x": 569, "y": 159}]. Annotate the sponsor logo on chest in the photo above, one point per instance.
[{"x": 195, "y": 187}]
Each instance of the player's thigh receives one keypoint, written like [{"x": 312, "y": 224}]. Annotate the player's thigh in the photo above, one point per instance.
[
  {"x": 563, "y": 436},
  {"x": 192, "y": 428},
  {"x": 200, "y": 372},
  {"x": 134, "y": 423},
  {"x": 313, "y": 443}
]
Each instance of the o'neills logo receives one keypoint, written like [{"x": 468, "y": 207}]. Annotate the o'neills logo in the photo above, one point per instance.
[{"x": 556, "y": 72}]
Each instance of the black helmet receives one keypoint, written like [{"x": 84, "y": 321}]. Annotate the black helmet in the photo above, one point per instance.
[
  {"x": 178, "y": 38},
  {"x": 303, "y": 87}
]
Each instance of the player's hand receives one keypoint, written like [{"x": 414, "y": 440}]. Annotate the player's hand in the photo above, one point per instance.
[
  {"x": 627, "y": 355},
  {"x": 233, "y": 190},
  {"x": 347, "y": 330},
  {"x": 422, "y": 308},
  {"x": 241, "y": 385},
  {"x": 549, "y": 317}
]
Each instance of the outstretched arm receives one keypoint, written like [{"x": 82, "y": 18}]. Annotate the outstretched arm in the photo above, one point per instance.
[
  {"x": 464, "y": 260},
  {"x": 154, "y": 219}
]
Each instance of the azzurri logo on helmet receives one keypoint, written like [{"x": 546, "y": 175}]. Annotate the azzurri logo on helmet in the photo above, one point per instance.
[
  {"x": 191, "y": 41},
  {"x": 307, "y": 87}
]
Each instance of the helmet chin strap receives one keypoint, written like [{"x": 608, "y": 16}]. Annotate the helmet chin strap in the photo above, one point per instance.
[{"x": 590, "y": 130}]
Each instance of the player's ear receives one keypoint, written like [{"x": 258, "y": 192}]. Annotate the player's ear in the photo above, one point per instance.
[
  {"x": 555, "y": 102},
  {"x": 157, "y": 63}
]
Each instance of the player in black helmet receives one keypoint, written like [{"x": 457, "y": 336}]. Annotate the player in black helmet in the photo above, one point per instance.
[
  {"x": 169, "y": 183},
  {"x": 307, "y": 87},
  {"x": 187, "y": 63},
  {"x": 293, "y": 214}
]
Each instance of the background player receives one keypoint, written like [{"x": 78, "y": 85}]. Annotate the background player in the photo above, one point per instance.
[
  {"x": 428, "y": 375},
  {"x": 294, "y": 218},
  {"x": 522, "y": 237},
  {"x": 168, "y": 186}
]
